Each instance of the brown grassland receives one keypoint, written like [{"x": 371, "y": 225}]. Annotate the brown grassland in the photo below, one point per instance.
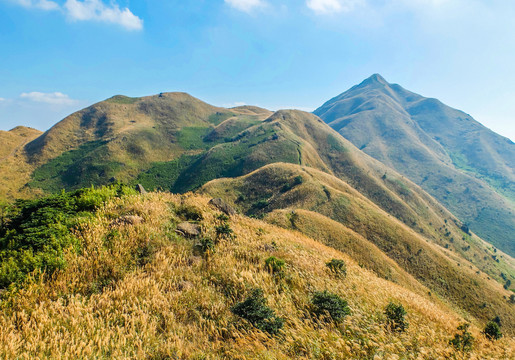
[{"x": 142, "y": 290}]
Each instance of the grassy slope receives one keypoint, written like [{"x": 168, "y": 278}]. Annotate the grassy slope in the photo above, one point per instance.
[
  {"x": 122, "y": 137},
  {"x": 444, "y": 272},
  {"x": 14, "y": 170},
  {"x": 166, "y": 301},
  {"x": 448, "y": 153},
  {"x": 301, "y": 138},
  {"x": 178, "y": 143},
  {"x": 194, "y": 143}
]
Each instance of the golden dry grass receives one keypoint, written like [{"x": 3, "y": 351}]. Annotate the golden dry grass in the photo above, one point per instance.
[
  {"x": 370, "y": 234},
  {"x": 169, "y": 302},
  {"x": 14, "y": 169}
]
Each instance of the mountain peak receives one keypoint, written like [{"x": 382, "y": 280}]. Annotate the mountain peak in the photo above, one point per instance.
[{"x": 375, "y": 79}]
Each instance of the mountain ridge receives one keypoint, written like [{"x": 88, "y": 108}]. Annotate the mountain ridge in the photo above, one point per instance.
[
  {"x": 446, "y": 151},
  {"x": 174, "y": 142}
]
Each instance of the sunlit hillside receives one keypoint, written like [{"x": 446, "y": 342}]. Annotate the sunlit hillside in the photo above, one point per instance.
[{"x": 136, "y": 284}]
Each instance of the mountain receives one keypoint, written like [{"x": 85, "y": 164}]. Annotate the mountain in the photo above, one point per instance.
[
  {"x": 279, "y": 162},
  {"x": 464, "y": 165},
  {"x": 119, "y": 138},
  {"x": 137, "y": 287},
  {"x": 14, "y": 169}
]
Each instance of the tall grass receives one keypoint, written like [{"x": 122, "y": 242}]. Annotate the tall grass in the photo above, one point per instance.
[{"x": 139, "y": 290}]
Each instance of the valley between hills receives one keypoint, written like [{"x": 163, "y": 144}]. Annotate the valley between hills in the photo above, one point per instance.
[{"x": 379, "y": 197}]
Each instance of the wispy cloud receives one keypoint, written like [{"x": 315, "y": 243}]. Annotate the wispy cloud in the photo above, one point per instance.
[
  {"x": 332, "y": 6},
  {"x": 245, "y": 5},
  {"x": 90, "y": 10},
  {"x": 96, "y": 10},
  {"x": 55, "y": 98},
  {"x": 234, "y": 104},
  {"x": 38, "y": 4}
]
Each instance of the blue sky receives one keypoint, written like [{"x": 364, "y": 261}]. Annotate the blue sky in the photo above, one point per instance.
[{"x": 57, "y": 56}]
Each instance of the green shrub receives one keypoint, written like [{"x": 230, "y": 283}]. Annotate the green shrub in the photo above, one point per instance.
[
  {"x": 222, "y": 217},
  {"x": 223, "y": 230},
  {"x": 261, "y": 204},
  {"x": 255, "y": 310},
  {"x": 492, "y": 330},
  {"x": 462, "y": 341},
  {"x": 34, "y": 234},
  {"x": 337, "y": 266},
  {"x": 297, "y": 180},
  {"x": 395, "y": 317},
  {"x": 206, "y": 246},
  {"x": 326, "y": 303},
  {"x": 190, "y": 213},
  {"x": 274, "y": 265}
]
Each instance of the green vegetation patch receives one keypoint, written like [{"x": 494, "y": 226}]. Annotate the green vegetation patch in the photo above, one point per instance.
[
  {"x": 326, "y": 303},
  {"x": 492, "y": 330},
  {"x": 463, "y": 340},
  {"x": 163, "y": 175},
  {"x": 255, "y": 310},
  {"x": 338, "y": 267},
  {"x": 191, "y": 138},
  {"x": 84, "y": 166},
  {"x": 34, "y": 234},
  {"x": 249, "y": 152},
  {"x": 219, "y": 117},
  {"x": 396, "y": 317}
]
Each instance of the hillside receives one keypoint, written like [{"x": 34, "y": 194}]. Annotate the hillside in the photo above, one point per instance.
[
  {"x": 353, "y": 224},
  {"x": 14, "y": 169},
  {"x": 464, "y": 165},
  {"x": 133, "y": 286},
  {"x": 175, "y": 142}
]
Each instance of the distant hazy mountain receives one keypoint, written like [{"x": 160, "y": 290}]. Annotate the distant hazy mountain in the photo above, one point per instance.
[{"x": 466, "y": 166}]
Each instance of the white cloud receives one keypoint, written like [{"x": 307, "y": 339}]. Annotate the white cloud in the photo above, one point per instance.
[
  {"x": 234, "y": 104},
  {"x": 91, "y": 10},
  {"x": 96, "y": 10},
  {"x": 245, "y": 5},
  {"x": 55, "y": 98},
  {"x": 39, "y": 4},
  {"x": 2, "y": 99},
  {"x": 332, "y": 6}
]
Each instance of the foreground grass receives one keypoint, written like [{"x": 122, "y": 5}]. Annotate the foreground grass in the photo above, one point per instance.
[{"x": 138, "y": 289}]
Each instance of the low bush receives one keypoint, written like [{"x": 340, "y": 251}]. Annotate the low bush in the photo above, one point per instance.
[
  {"x": 222, "y": 217},
  {"x": 492, "y": 330},
  {"x": 274, "y": 265},
  {"x": 206, "y": 246},
  {"x": 223, "y": 230},
  {"x": 463, "y": 341},
  {"x": 338, "y": 267},
  {"x": 255, "y": 310},
  {"x": 326, "y": 303},
  {"x": 396, "y": 317}
]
